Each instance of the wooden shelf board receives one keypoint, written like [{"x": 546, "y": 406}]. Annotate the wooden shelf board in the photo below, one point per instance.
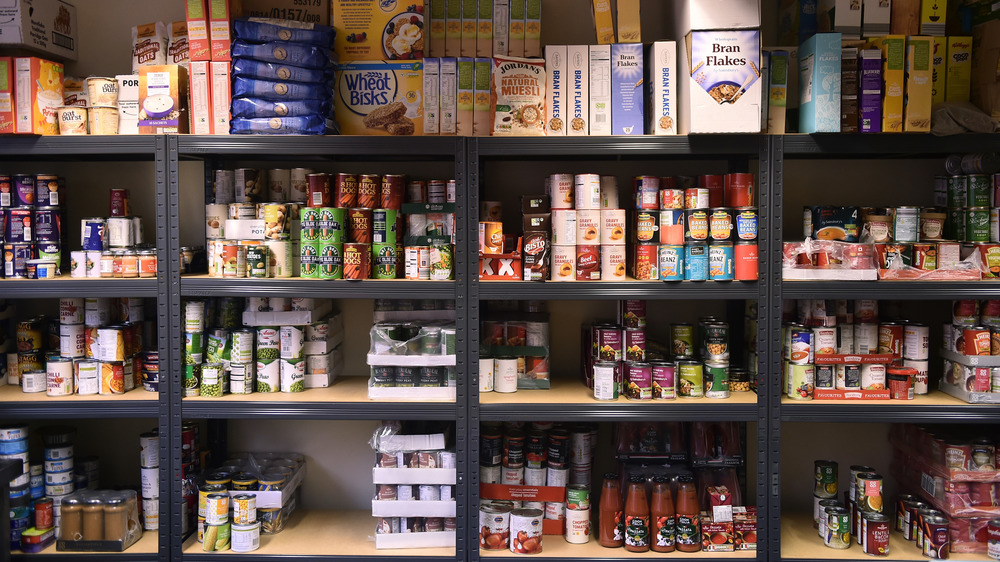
[
  {"x": 148, "y": 544},
  {"x": 12, "y": 393},
  {"x": 933, "y": 398},
  {"x": 345, "y": 389},
  {"x": 573, "y": 391}
]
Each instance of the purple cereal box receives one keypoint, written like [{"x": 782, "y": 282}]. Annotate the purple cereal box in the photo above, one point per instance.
[
  {"x": 870, "y": 89},
  {"x": 627, "y": 102}
]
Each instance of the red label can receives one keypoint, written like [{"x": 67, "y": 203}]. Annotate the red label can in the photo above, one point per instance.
[
  {"x": 716, "y": 185},
  {"x": 747, "y": 261},
  {"x": 357, "y": 260},
  {"x": 359, "y": 226},
  {"x": 369, "y": 187},
  {"x": 345, "y": 193},
  {"x": 875, "y": 533},
  {"x": 120, "y": 206},
  {"x": 925, "y": 256},
  {"x": 936, "y": 539},
  {"x": 319, "y": 190},
  {"x": 588, "y": 263},
  {"x": 993, "y": 532},
  {"x": 391, "y": 196},
  {"x": 644, "y": 263},
  {"x": 976, "y": 340},
  {"x": 739, "y": 190},
  {"x": 671, "y": 198},
  {"x": 890, "y": 339},
  {"x": 43, "y": 513}
]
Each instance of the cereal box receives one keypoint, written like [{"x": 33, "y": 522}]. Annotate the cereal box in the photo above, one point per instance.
[
  {"x": 578, "y": 90},
  {"x": 163, "y": 95},
  {"x": 432, "y": 96},
  {"x": 221, "y": 97},
  {"x": 723, "y": 87},
  {"x": 958, "y": 66},
  {"x": 629, "y": 24},
  {"x": 533, "y": 28},
  {"x": 201, "y": 97},
  {"x": 466, "y": 95},
  {"x": 128, "y": 104},
  {"x": 876, "y": 19},
  {"x": 893, "y": 49},
  {"x": 453, "y": 28},
  {"x": 600, "y": 90},
  {"x": 501, "y": 27},
  {"x": 38, "y": 94},
  {"x": 311, "y": 11},
  {"x": 603, "y": 23},
  {"x": 819, "y": 84},
  {"x": 777, "y": 92},
  {"x": 627, "y": 103},
  {"x": 849, "y": 90},
  {"x": 449, "y": 96},
  {"x": 484, "y": 35},
  {"x": 436, "y": 12},
  {"x": 199, "y": 45},
  {"x": 847, "y": 18},
  {"x": 938, "y": 69},
  {"x": 373, "y": 30},
  {"x": 555, "y": 89},
  {"x": 380, "y": 98},
  {"x": 917, "y": 109},
  {"x": 933, "y": 17},
  {"x": 219, "y": 19},
  {"x": 870, "y": 91},
  {"x": 481, "y": 105},
  {"x": 6, "y": 95},
  {"x": 470, "y": 10},
  {"x": 661, "y": 80},
  {"x": 517, "y": 97},
  {"x": 515, "y": 30}
]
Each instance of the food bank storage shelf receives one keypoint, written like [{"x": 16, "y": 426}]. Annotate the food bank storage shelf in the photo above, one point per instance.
[
  {"x": 800, "y": 541},
  {"x": 144, "y": 549},
  {"x": 555, "y": 548},
  {"x": 332, "y": 147},
  {"x": 923, "y": 290},
  {"x": 136, "y": 403},
  {"x": 346, "y": 398},
  {"x": 615, "y": 290},
  {"x": 321, "y": 535},
  {"x": 103, "y": 147},
  {"x": 205, "y": 286},
  {"x": 878, "y": 145},
  {"x": 571, "y": 400},
  {"x": 65, "y": 285},
  {"x": 646, "y": 146},
  {"x": 933, "y": 407}
]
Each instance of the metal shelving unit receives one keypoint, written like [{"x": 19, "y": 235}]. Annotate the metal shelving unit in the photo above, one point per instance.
[
  {"x": 616, "y": 290},
  {"x": 203, "y": 286},
  {"x": 65, "y": 285},
  {"x": 911, "y": 290}
]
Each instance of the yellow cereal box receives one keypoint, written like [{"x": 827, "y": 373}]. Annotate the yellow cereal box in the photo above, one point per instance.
[
  {"x": 917, "y": 117},
  {"x": 380, "y": 98},
  {"x": 893, "y": 49},
  {"x": 371, "y": 30},
  {"x": 938, "y": 69},
  {"x": 603, "y": 23},
  {"x": 38, "y": 94}
]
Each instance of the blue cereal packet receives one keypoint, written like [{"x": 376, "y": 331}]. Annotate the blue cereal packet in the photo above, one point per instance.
[
  {"x": 305, "y": 125},
  {"x": 249, "y": 68},
  {"x": 249, "y": 108},
  {"x": 268, "y": 90},
  {"x": 278, "y": 52},
  {"x": 265, "y": 30}
]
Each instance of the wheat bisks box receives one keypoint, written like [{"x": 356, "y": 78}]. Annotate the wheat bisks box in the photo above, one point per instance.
[{"x": 380, "y": 98}]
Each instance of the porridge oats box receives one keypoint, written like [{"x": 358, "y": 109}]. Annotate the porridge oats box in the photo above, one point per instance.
[
  {"x": 163, "y": 94},
  {"x": 128, "y": 104},
  {"x": 723, "y": 87},
  {"x": 819, "y": 80},
  {"x": 374, "y": 30},
  {"x": 661, "y": 81},
  {"x": 38, "y": 93},
  {"x": 627, "y": 103},
  {"x": 380, "y": 98},
  {"x": 517, "y": 97},
  {"x": 917, "y": 101}
]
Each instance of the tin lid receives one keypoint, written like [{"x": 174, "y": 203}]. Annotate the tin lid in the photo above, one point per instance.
[
  {"x": 874, "y": 516},
  {"x": 57, "y": 435},
  {"x": 526, "y": 512}
]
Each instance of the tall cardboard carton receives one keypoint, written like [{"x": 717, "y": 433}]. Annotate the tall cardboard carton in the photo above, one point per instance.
[
  {"x": 933, "y": 17},
  {"x": 662, "y": 82},
  {"x": 555, "y": 90},
  {"x": 501, "y": 27},
  {"x": 515, "y": 44},
  {"x": 436, "y": 12},
  {"x": 777, "y": 92},
  {"x": 201, "y": 97},
  {"x": 893, "y": 49},
  {"x": 722, "y": 81},
  {"x": 484, "y": 34},
  {"x": 849, "y": 90},
  {"x": 578, "y": 93},
  {"x": 432, "y": 96},
  {"x": 364, "y": 33},
  {"x": 38, "y": 93},
  {"x": 629, "y": 23},
  {"x": 819, "y": 84},
  {"x": 199, "y": 44},
  {"x": 917, "y": 109},
  {"x": 219, "y": 20},
  {"x": 481, "y": 105},
  {"x": 848, "y": 18},
  {"x": 221, "y": 97},
  {"x": 449, "y": 96},
  {"x": 603, "y": 22},
  {"x": 600, "y": 90},
  {"x": 392, "y": 100},
  {"x": 453, "y": 28},
  {"x": 870, "y": 91},
  {"x": 533, "y": 28},
  {"x": 876, "y": 18},
  {"x": 627, "y": 103},
  {"x": 959, "y": 69},
  {"x": 466, "y": 95},
  {"x": 7, "y": 118},
  {"x": 163, "y": 96},
  {"x": 939, "y": 71},
  {"x": 470, "y": 14}
]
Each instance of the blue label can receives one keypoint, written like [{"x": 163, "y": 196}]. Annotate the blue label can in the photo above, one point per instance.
[
  {"x": 47, "y": 224},
  {"x": 92, "y": 234},
  {"x": 15, "y": 257},
  {"x": 746, "y": 223},
  {"x": 696, "y": 262},
  {"x": 721, "y": 262},
  {"x": 671, "y": 263}
]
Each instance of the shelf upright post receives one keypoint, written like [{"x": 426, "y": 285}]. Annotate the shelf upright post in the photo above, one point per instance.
[
  {"x": 770, "y": 358},
  {"x": 471, "y": 288},
  {"x": 170, "y": 328},
  {"x": 464, "y": 318}
]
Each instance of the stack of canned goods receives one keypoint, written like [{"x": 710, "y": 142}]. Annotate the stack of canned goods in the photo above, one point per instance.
[
  {"x": 416, "y": 340},
  {"x": 861, "y": 516},
  {"x": 96, "y": 347},
  {"x": 621, "y": 363},
  {"x": 500, "y": 371},
  {"x": 58, "y": 466},
  {"x": 31, "y": 234},
  {"x": 14, "y": 447},
  {"x": 535, "y": 454},
  {"x": 113, "y": 247},
  {"x": 833, "y": 347},
  {"x": 973, "y": 332},
  {"x": 190, "y": 474},
  {"x": 149, "y": 470},
  {"x": 415, "y": 492}
]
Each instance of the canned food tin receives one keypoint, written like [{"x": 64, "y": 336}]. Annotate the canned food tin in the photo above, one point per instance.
[
  {"x": 826, "y": 479},
  {"x": 369, "y": 190},
  {"x": 671, "y": 263},
  {"x": 345, "y": 191},
  {"x": 605, "y": 377},
  {"x": 905, "y": 224},
  {"x": 935, "y": 537},
  {"x": 391, "y": 192},
  {"x": 746, "y": 222},
  {"x": 873, "y": 377},
  {"x": 696, "y": 198},
  {"x": 716, "y": 380},
  {"x": 645, "y": 190},
  {"x": 647, "y": 226},
  {"x": 638, "y": 381},
  {"x": 690, "y": 379},
  {"x": 721, "y": 225},
  {"x": 932, "y": 224},
  {"x": 644, "y": 262},
  {"x": 696, "y": 225},
  {"x": 494, "y": 525},
  {"x": 978, "y": 191},
  {"x": 24, "y": 190},
  {"x": 244, "y": 509},
  {"x": 682, "y": 340},
  {"x": 957, "y": 191},
  {"x": 993, "y": 539},
  {"x": 672, "y": 227},
  {"x": 869, "y": 491},
  {"x": 721, "y": 259},
  {"x": 48, "y": 226},
  {"x": 357, "y": 261},
  {"x": 332, "y": 224},
  {"x": 838, "y": 528},
  {"x": 696, "y": 262},
  {"x": 977, "y": 340},
  {"x": 664, "y": 381},
  {"x": 801, "y": 381},
  {"x": 977, "y": 224},
  {"x": 874, "y": 533},
  {"x": 19, "y": 228},
  {"x": 526, "y": 531}
]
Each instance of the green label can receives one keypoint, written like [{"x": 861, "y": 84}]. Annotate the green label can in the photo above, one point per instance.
[
  {"x": 690, "y": 379},
  {"x": 801, "y": 381},
  {"x": 838, "y": 528},
  {"x": 978, "y": 191},
  {"x": 212, "y": 375},
  {"x": 192, "y": 380},
  {"x": 384, "y": 258},
  {"x": 826, "y": 479},
  {"x": 682, "y": 340},
  {"x": 268, "y": 375},
  {"x": 577, "y": 497},
  {"x": 957, "y": 191},
  {"x": 257, "y": 262},
  {"x": 331, "y": 261},
  {"x": 309, "y": 260},
  {"x": 331, "y": 225},
  {"x": 977, "y": 224},
  {"x": 193, "y": 348},
  {"x": 954, "y": 224},
  {"x": 716, "y": 377},
  {"x": 309, "y": 224},
  {"x": 442, "y": 262}
]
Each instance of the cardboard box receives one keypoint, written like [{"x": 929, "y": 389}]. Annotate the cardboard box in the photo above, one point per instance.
[
  {"x": 939, "y": 70},
  {"x": 905, "y": 17},
  {"x": 43, "y": 26},
  {"x": 578, "y": 90},
  {"x": 604, "y": 25},
  {"x": 221, "y": 97},
  {"x": 432, "y": 96},
  {"x": 313, "y": 11},
  {"x": 201, "y": 98},
  {"x": 219, "y": 18},
  {"x": 470, "y": 14},
  {"x": 723, "y": 65},
  {"x": 849, "y": 90},
  {"x": 627, "y": 102},
  {"x": 435, "y": 18},
  {"x": 466, "y": 96},
  {"x": 363, "y": 32},
  {"x": 661, "y": 81},
  {"x": 777, "y": 92},
  {"x": 876, "y": 18},
  {"x": 533, "y": 28},
  {"x": 765, "y": 78},
  {"x": 819, "y": 76},
  {"x": 893, "y": 49},
  {"x": 698, "y": 15},
  {"x": 481, "y": 105},
  {"x": 380, "y": 98},
  {"x": 555, "y": 90},
  {"x": 163, "y": 95},
  {"x": 933, "y": 17},
  {"x": 449, "y": 96},
  {"x": 7, "y": 117},
  {"x": 847, "y": 19},
  {"x": 600, "y": 90},
  {"x": 985, "y": 87},
  {"x": 484, "y": 34},
  {"x": 199, "y": 45},
  {"x": 629, "y": 24},
  {"x": 453, "y": 28},
  {"x": 958, "y": 66},
  {"x": 917, "y": 108},
  {"x": 501, "y": 27},
  {"x": 515, "y": 29},
  {"x": 128, "y": 104},
  {"x": 716, "y": 536},
  {"x": 870, "y": 91},
  {"x": 38, "y": 93}
]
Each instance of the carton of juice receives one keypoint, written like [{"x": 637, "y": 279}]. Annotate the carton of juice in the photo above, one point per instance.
[{"x": 38, "y": 94}]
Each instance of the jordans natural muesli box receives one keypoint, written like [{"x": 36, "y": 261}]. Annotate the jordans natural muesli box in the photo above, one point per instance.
[{"x": 723, "y": 83}]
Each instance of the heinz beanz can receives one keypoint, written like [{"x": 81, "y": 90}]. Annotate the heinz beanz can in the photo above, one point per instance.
[{"x": 720, "y": 262}]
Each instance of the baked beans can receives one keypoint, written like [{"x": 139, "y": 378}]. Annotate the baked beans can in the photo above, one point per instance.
[
  {"x": 644, "y": 262},
  {"x": 647, "y": 226},
  {"x": 720, "y": 261},
  {"x": 345, "y": 191},
  {"x": 670, "y": 262},
  {"x": 319, "y": 190},
  {"x": 357, "y": 261},
  {"x": 745, "y": 223},
  {"x": 494, "y": 525},
  {"x": 696, "y": 198},
  {"x": 874, "y": 533},
  {"x": 646, "y": 192},
  {"x": 671, "y": 198},
  {"x": 696, "y": 263},
  {"x": 696, "y": 225},
  {"x": 720, "y": 224},
  {"x": 360, "y": 226}
]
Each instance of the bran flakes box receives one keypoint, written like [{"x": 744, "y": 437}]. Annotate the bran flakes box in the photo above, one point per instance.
[
  {"x": 372, "y": 30},
  {"x": 380, "y": 98},
  {"x": 577, "y": 90},
  {"x": 555, "y": 89},
  {"x": 723, "y": 85},
  {"x": 627, "y": 103},
  {"x": 661, "y": 79},
  {"x": 517, "y": 97}
]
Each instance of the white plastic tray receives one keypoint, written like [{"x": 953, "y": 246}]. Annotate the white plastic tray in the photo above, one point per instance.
[
  {"x": 411, "y": 360},
  {"x": 415, "y": 540},
  {"x": 413, "y": 508},
  {"x": 443, "y": 476}
]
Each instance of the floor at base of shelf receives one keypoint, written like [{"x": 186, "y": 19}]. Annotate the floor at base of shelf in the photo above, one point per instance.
[
  {"x": 147, "y": 545},
  {"x": 325, "y": 533},
  {"x": 800, "y": 541}
]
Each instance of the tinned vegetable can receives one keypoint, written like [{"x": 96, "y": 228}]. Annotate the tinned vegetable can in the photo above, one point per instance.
[{"x": 526, "y": 531}]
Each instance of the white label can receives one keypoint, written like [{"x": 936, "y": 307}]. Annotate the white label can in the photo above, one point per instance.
[
  {"x": 873, "y": 377},
  {"x": 149, "y": 450},
  {"x": 245, "y": 538},
  {"x": 526, "y": 531},
  {"x": 560, "y": 191},
  {"x": 512, "y": 476},
  {"x": 555, "y": 511},
  {"x": 865, "y": 338},
  {"x": 578, "y": 526},
  {"x": 505, "y": 374},
  {"x": 535, "y": 476},
  {"x": 485, "y": 374},
  {"x": 587, "y": 191},
  {"x": 71, "y": 310},
  {"x": 916, "y": 342},
  {"x": 150, "y": 482},
  {"x": 87, "y": 377},
  {"x": 59, "y": 377}
]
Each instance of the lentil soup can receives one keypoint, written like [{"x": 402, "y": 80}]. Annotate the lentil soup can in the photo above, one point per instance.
[
  {"x": 526, "y": 531},
  {"x": 875, "y": 533}
]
